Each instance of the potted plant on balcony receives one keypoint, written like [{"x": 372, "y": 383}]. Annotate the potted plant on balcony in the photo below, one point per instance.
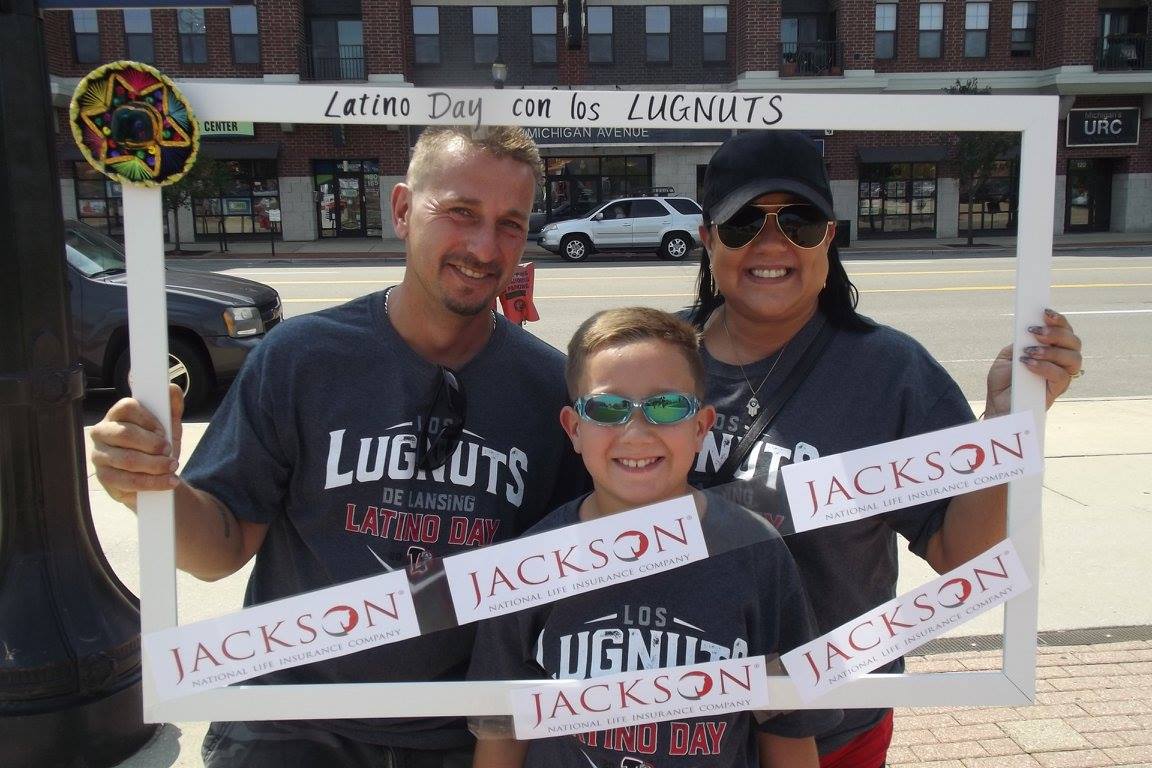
[{"x": 788, "y": 65}]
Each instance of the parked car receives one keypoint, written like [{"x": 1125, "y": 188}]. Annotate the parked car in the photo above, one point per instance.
[
  {"x": 667, "y": 225},
  {"x": 214, "y": 320}
]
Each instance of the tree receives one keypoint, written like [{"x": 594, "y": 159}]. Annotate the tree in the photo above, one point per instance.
[
  {"x": 977, "y": 153},
  {"x": 207, "y": 179}
]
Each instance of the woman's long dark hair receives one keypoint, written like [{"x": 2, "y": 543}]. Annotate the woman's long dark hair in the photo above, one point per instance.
[{"x": 837, "y": 300}]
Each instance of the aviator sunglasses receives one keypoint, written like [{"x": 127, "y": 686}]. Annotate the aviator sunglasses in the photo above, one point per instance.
[
  {"x": 614, "y": 410},
  {"x": 443, "y": 422},
  {"x": 803, "y": 224}
]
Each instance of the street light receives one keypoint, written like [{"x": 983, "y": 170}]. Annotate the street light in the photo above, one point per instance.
[
  {"x": 70, "y": 687},
  {"x": 499, "y": 73}
]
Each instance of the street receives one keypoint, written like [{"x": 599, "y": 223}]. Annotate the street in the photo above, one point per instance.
[{"x": 959, "y": 307}]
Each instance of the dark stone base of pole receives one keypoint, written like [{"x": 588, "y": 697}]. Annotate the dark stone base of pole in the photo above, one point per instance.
[
  {"x": 69, "y": 630},
  {"x": 95, "y": 734}
]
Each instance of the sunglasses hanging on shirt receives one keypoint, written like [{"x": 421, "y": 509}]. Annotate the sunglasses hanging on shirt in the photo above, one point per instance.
[
  {"x": 804, "y": 225},
  {"x": 442, "y": 423}
]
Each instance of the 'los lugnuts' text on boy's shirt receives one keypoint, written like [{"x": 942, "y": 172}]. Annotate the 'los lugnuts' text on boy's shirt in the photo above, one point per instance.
[{"x": 674, "y": 618}]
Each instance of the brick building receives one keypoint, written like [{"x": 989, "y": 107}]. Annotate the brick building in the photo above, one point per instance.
[{"x": 307, "y": 182}]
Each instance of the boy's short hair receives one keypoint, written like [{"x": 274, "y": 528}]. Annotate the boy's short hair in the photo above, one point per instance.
[
  {"x": 500, "y": 141},
  {"x": 628, "y": 325}
]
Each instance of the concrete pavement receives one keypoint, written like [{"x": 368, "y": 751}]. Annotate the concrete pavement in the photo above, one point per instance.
[{"x": 1094, "y": 703}]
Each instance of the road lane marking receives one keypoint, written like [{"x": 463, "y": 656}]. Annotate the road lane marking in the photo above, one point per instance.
[
  {"x": 584, "y": 297},
  {"x": 1103, "y": 312},
  {"x": 950, "y": 289},
  {"x": 586, "y": 278},
  {"x": 1111, "y": 312}
]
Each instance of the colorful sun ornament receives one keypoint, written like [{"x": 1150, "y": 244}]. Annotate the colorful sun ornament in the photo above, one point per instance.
[{"x": 133, "y": 125}]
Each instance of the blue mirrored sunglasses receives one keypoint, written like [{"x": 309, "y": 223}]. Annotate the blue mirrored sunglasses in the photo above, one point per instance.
[{"x": 613, "y": 410}]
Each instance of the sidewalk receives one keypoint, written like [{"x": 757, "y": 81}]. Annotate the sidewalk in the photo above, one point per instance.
[
  {"x": 389, "y": 249},
  {"x": 1093, "y": 708},
  {"x": 1094, "y": 695}
]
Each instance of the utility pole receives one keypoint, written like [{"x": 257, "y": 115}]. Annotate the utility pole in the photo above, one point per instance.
[{"x": 69, "y": 630}]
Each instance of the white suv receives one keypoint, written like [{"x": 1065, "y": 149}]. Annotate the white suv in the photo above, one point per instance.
[{"x": 668, "y": 225}]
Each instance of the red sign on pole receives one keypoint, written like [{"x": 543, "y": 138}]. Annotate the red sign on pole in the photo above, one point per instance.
[{"x": 516, "y": 300}]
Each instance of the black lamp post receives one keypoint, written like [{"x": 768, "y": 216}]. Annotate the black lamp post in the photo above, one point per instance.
[
  {"x": 499, "y": 74},
  {"x": 69, "y": 630}
]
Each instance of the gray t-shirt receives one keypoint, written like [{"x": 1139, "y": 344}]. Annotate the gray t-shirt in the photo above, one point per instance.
[
  {"x": 316, "y": 438},
  {"x": 866, "y": 388},
  {"x": 744, "y": 602}
]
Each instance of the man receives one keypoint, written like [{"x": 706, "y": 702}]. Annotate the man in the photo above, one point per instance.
[{"x": 409, "y": 424}]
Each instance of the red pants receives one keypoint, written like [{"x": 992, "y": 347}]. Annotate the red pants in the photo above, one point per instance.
[{"x": 868, "y": 750}]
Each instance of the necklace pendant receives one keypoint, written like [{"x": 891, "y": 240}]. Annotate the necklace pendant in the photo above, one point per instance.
[{"x": 753, "y": 407}]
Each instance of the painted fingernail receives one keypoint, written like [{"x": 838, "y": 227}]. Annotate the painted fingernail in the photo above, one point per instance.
[
  {"x": 1051, "y": 313},
  {"x": 1028, "y": 361},
  {"x": 1037, "y": 329},
  {"x": 1034, "y": 351}
]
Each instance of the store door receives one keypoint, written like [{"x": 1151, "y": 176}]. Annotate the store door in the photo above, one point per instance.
[
  {"x": 350, "y": 205},
  {"x": 348, "y": 198},
  {"x": 1088, "y": 206}
]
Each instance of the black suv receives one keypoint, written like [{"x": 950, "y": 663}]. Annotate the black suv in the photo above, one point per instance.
[{"x": 214, "y": 320}]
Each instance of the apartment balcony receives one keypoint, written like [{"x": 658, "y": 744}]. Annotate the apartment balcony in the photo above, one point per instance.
[
  {"x": 332, "y": 62},
  {"x": 817, "y": 58},
  {"x": 1123, "y": 53}
]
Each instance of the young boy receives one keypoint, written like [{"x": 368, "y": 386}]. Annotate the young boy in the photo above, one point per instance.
[{"x": 636, "y": 378}]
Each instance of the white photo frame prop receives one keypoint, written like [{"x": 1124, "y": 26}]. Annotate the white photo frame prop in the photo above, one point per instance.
[{"x": 1034, "y": 117}]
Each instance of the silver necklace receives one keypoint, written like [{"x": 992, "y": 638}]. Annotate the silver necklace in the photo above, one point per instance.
[
  {"x": 388, "y": 292},
  {"x": 753, "y": 403}
]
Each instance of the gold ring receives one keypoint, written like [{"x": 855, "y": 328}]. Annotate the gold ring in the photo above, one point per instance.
[{"x": 1078, "y": 374}]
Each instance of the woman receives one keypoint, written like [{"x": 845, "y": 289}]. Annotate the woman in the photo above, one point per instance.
[{"x": 770, "y": 281}]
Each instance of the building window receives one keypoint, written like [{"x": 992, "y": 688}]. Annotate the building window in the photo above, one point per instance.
[
  {"x": 715, "y": 33},
  {"x": 543, "y": 34},
  {"x": 85, "y": 37},
  {"x": 245, "y": 206},
  {"x": 138, "y": 34},
  {"x": 485, "y": 34},
  {"x": 426, "y": 33},
  {"x": 577, "y": 186},
  {"x": 245, "y": 36},
  {"x": 600, "y": 34},
  {"x": 992, "y": 205},
  {"x": 931, "y": 30},
  {"x": 1023, "y": 29},
  {"x": 337, "y": 49},
  {"x": 976, "y": 30},
  {"x": 657, "y": 32},
  {"x": 98, "y": 200},
  {"x": 193, "y": 36},
  {"x": 886, "y": 30},
  {"x": 897, "y": 198}
]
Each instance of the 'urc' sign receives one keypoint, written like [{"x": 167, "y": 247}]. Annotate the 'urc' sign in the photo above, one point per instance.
[{"x": 1104, "y": 127}]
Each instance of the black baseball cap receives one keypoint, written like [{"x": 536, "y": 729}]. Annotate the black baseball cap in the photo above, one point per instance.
[{"x": 758, "y": 162}]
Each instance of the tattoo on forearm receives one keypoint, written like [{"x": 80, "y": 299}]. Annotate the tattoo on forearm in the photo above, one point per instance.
[{"x": 227, "y": 523}]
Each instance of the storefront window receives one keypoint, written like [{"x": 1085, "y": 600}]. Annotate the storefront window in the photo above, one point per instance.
[
  {"x": 576, "y": 185},
  {"x": 897, "y": 199},
  {"x": 347, "y": 196},
  {"x": 98, "y": 202},
  {"x": 246, "y": 207},
  {"x": 993, "y": 205}
]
